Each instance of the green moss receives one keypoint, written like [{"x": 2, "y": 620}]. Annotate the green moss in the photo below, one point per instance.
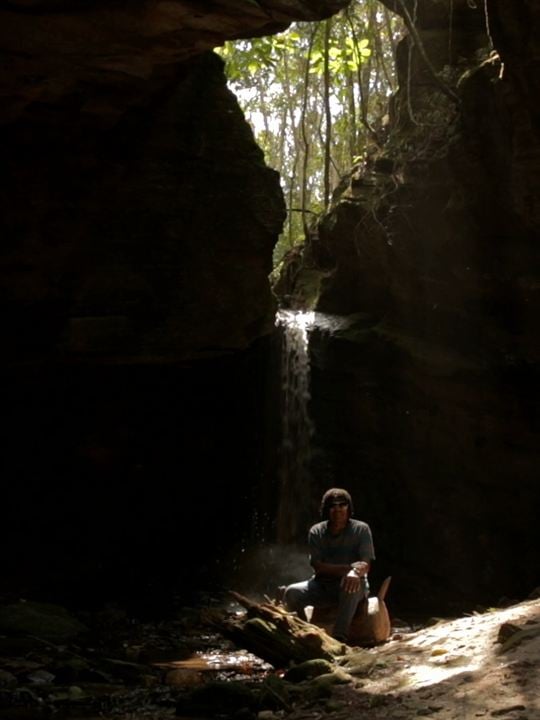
[{"x": 309, "y": 669}]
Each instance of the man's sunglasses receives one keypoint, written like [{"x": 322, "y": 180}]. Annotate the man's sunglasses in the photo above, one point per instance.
[{"x": 343, "y": 503}]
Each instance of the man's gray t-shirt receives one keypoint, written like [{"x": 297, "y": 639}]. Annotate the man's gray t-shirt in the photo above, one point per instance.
[{"x": 352, "y": 544}]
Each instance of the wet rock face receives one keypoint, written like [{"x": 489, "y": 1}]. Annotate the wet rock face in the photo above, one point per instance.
[
  {"x": 427, "y": 408},
  {"x": 515, "y": 33}
]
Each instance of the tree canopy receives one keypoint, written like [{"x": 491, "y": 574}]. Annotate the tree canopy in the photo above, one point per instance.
[{"x": 316, "y": 97}]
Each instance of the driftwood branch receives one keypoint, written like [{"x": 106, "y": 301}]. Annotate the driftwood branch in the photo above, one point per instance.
[{"x": 277, "y": 636}]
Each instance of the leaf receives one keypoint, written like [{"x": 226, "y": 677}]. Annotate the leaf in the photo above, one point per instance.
[{"x": 438, "y": 651}]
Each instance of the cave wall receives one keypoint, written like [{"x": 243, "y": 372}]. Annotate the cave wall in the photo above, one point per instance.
[
  {"x": 139, "y": 216},
  {"x": 136, "y": 258},
  {"x": 120, "y": 237},
  {"x": 427, "y": 405},
  {"x": 138, "y": 222}
]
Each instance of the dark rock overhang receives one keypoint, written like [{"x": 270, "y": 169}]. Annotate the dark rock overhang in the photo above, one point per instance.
[{"x": 48, "y": 46}]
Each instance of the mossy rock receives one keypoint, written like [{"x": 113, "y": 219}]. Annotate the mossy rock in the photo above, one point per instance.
[
  {"x": 276, "y": 694},
  {"x": 44, "y": 620},
  {"x": 358, "y": 663},
  {"x": 308, "y": 670},
  {"x": 329, "y": 680},
  {"x": 318, "y": 688}
]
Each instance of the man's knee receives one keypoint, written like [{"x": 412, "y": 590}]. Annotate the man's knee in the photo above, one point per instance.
[
  {"x": 362, "y": 607},
  {"x": 291, "y": 598},
  {"x": 360, "y": 594},
  {"x": 294, "y": 598},
  {"x": 352, "y": 597}
]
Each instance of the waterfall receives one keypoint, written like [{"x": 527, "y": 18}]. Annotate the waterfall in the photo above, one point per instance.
[
  {"x": 295, "y": 512},
  {"x": 265, "y": 565},
  {"x": 298, "y": 499}
]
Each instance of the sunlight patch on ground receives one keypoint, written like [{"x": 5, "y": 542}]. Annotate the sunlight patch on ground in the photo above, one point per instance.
[
  {"x": 430, "y": 674},
  {"x": 466, "y": 659}
]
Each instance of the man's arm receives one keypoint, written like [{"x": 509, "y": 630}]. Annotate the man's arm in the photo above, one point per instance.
[
  {"x": 323, "y": 569},
  {"x": 358, "y": 568},
  {"x": 350, "y": 574}
]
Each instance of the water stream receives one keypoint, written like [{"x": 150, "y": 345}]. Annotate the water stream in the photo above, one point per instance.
[
  {"x": 297, "y": 504},
  {"x": 297, "y": 426}
]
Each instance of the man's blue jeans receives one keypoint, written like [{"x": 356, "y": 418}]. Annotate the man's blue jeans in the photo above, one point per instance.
[{"x": 323, "y": 594}]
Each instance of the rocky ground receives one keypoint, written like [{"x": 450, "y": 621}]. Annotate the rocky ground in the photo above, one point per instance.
[
  {"x": 478, "y": 666},
  {"x": 107, "y": 664}
]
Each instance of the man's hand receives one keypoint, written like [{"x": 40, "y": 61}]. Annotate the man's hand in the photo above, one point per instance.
[{"x": 350, "y": 582}]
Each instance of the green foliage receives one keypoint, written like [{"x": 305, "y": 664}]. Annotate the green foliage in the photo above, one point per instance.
[
  {"x": 315, "y": 100},
  {"x": 342, "y": 57}
]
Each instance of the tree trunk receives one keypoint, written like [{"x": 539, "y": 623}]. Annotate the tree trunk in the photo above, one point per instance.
[{"x": 327, "y": 113}]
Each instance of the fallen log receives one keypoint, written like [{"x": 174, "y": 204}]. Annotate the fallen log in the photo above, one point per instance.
[{"x": 278, "y": 636}]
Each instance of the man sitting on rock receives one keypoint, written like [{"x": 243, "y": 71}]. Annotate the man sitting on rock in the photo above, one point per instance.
[{"x": 341, "y": 550}]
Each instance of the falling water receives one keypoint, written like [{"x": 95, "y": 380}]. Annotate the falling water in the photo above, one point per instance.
[
  {"x": 294, "y": 512},
  {"x": 262, "y": 565},
  {"x": 297, "y": 506}
]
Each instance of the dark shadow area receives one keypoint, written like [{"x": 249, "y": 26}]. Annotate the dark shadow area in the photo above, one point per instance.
[{"x": 129, "y": 482}]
